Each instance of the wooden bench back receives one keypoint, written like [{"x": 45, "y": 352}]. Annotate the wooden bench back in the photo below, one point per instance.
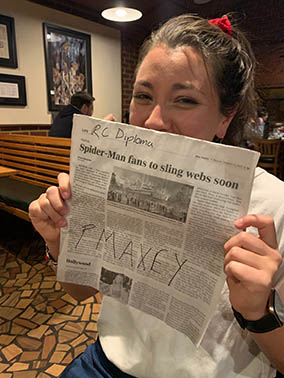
[{"x": 38, "y": 159}]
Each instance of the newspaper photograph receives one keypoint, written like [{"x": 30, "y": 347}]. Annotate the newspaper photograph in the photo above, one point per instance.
[{"x": 148, "y": 218}]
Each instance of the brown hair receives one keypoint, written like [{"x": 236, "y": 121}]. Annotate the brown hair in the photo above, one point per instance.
[
  {"x": 82, "y": 98},
  {"x": 228, "y": 57}
]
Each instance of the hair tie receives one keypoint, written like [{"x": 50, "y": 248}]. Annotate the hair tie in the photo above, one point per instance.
[{"x": 223, "y": 23}]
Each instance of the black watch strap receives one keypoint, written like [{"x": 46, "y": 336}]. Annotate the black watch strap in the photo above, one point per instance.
[{"x": 267, "y": 323}]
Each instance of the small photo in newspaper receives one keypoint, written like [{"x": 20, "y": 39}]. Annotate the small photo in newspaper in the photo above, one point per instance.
[
  {"x": 149, "y": 193},
  {"x": 115, "y": 285}
]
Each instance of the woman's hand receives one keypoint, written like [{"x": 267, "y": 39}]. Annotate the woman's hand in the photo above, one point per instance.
[
  {"x": 48, "y": 212},
  {"x": 250, "y": 265}
]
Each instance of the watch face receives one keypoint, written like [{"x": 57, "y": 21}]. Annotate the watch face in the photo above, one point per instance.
[{"x": 279, "y": 307}]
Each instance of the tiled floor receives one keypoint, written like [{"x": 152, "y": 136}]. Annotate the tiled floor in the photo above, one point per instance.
[{"x": 41, "y": 327}]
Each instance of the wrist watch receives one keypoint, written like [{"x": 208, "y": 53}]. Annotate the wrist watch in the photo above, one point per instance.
[{"x": 274, "y": 319}]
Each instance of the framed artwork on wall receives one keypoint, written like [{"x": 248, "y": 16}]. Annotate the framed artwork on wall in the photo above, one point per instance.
[
  {"x": 67, "y": 63},
  {"x": 13, "y": 90},
  {"x": 8, "y": 52}
]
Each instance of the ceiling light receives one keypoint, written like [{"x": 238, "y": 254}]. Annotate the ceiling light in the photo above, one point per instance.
[
  {"x": 121, "y": 14},
  {"x": 200, "y": 2}
]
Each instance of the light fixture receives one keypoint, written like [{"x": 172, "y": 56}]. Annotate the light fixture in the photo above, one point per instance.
[
  {"x": 200, "y": 2},
  {"x": 121, "y": 14}
]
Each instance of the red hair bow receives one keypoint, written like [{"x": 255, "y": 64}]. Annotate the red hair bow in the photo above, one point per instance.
[{"x": 223, "y": 23}]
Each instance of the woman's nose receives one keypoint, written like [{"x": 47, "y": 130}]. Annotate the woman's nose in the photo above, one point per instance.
[{"x": 157, "y": 120}]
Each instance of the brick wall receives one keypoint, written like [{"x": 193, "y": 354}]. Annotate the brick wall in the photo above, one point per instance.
[
  {"x": 129, "y": 57},
  {"x": 264, "y": 27},
  {"x": 270, "y": 74},
  {"x": 270, "y": 70},
  {"x": 41, "y": 130}
]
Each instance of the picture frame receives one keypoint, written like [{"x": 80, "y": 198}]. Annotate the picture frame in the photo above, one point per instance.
[
  {"x": 8, "y": 51},
  {"x": 67, "y": 63},
  {"x": 273, "y": 93},
  {"x": 13, "y": 90}
]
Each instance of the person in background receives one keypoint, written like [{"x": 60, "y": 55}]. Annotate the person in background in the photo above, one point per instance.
[
  {"x": 262, "y": 123},
  {"x": 81, "y": 103},
  {"x": 195, "y": 77},
  {"x": 256, "y": 128}
]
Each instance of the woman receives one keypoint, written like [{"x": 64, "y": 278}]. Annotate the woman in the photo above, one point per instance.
[{"x": 194, "y": 78}]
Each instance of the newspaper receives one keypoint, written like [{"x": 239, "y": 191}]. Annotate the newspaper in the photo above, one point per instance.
[{"x": 149, "y": 215}]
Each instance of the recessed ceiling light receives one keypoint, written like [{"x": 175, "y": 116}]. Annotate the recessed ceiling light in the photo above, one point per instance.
[{"x": 121, "y": 14}]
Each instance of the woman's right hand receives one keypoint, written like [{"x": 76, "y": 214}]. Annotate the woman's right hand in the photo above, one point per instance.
[{"x": 48, "y": 212}]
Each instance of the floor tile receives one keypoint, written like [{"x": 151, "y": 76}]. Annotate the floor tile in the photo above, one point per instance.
[{"x": 42, "y": 328}]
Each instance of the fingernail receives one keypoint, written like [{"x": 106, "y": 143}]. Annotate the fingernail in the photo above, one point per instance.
[
  {"x": 65, "y": 195},
  {"x": 239, "y": 222},
  {"x": 62, "y": 223}
]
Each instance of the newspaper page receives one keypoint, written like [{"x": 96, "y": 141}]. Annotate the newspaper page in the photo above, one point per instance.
[{"x": 149, "y": 215}]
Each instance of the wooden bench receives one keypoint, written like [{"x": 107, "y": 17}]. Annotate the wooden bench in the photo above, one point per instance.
[{"x": 38, "y": 160}]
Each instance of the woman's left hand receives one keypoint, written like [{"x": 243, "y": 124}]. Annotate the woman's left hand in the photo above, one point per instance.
[{"x": 250, "y": 265}]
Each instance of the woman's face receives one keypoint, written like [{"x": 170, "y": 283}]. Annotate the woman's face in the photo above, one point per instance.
[{"x": 172, "y": 93}]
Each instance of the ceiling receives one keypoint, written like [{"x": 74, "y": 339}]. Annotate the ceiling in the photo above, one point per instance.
[{"x": 261, "y": 19}]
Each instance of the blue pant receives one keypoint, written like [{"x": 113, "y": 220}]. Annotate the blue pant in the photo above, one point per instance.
[{"x": 93, "y": 363}]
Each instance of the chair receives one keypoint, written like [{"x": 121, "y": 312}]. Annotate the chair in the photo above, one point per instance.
[{"x": 269, "y": 150}]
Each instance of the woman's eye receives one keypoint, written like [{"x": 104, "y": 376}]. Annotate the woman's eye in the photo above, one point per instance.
[
  {"x": 186, "y": 100},
  {"x": 142, "y": 96}
]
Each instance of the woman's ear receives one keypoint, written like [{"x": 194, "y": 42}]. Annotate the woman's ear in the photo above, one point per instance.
[{"x": 224, "y": 124}]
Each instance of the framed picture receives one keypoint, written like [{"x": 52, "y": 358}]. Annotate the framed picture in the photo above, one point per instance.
[
  {"x": 68, "y": 64},
  {"x": 271, "y": 93},
  {"x": 8, "y": 52},
  {"x": 12, "y": 90}
]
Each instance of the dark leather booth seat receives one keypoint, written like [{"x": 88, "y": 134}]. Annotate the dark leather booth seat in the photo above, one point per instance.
[{"x": 17, "y": 193}]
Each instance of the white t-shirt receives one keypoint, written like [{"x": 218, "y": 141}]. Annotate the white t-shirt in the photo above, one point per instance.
[{"x": 144, "y": 346}]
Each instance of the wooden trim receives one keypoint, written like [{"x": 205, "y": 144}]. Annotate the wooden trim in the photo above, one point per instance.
[
  {"x": 34, "y": 139},
  {"x": 13, "y": 210},
  {"x": 37, "y": 177},
  {"x": 31, "y": 181},
  {"x": 37, "y": 155},
  {"x": 31, "y": 126},
  {"x": 31, "y": 147},
  {"x": 31, "y": 164}
]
